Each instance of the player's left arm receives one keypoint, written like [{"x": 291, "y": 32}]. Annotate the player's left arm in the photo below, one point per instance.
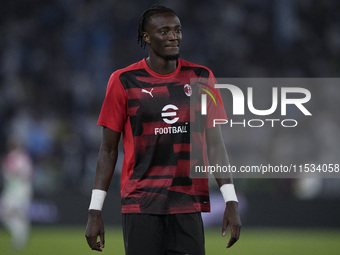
[{"x": 217, "y": 155}]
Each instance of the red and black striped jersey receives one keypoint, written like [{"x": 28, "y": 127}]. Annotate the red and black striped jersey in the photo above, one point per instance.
[{"x": 153, "y": 112}]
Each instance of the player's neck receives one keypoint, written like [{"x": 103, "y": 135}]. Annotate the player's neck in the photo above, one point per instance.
[{"x": 161, "y": 66}]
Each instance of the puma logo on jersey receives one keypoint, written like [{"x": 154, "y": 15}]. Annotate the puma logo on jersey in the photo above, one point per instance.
[{"x": 149, "y": 92}]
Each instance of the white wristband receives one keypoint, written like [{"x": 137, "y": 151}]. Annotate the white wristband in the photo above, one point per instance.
[
  {"x": 228, "y": 192},
  {"x": 97, "y": 199}
]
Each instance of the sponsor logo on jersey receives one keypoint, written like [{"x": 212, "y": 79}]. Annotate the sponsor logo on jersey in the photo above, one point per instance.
[
  {"x": 148, "y": 92},
  {"x": 165, "y": 114},
  {"x": 169, "y": 115},
  {"x": 171, "y": 130}
]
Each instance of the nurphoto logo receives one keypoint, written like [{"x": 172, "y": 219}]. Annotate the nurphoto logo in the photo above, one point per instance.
[{"x": 280, "y": 98}]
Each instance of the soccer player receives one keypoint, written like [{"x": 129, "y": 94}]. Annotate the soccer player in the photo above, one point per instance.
[{"x": 149, "y": 103}]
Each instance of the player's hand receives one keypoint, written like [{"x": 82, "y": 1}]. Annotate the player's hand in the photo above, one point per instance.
[
  {"x": 95, "y": 228},
  {"x": 231, "y": 219}
]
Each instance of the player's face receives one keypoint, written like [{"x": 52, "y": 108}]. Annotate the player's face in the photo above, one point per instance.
[{"x": 163, "y": 35}]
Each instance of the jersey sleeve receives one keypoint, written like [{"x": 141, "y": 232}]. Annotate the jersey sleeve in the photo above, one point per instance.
[
  {"x": 114, "y": 109},
  {"x": 215, "y": 107}
]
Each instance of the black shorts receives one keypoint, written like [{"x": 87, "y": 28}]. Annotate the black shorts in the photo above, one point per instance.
[{"x": 149, "y": 234}]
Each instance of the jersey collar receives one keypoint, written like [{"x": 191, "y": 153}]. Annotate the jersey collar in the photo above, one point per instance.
[{"x": 163, "y": 76}]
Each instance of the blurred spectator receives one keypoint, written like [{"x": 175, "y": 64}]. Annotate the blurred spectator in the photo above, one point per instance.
[{"x": 17, "y": 171}]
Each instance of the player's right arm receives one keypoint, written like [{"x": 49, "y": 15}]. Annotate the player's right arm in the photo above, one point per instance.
[{"x": 107, "y": 159}]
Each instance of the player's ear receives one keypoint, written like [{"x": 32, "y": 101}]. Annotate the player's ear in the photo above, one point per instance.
[{"x": 146, "y": 37}]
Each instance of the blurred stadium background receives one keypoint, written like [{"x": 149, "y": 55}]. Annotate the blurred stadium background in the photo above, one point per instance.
[{"x": 56, "y": 57}]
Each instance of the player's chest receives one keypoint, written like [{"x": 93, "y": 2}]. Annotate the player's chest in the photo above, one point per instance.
[{"x": 156, "y": 102}]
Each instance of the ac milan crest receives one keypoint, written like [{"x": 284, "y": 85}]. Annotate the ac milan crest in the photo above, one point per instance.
[{"x": 187, "y": 90}]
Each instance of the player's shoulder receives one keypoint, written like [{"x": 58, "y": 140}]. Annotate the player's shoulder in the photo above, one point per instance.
[
  {"x": 134, "y": 66},
  {"x": 188, "y": 64}
]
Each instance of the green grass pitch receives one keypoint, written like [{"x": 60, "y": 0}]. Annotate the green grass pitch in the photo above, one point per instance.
[{"x": 71, "y": 240}]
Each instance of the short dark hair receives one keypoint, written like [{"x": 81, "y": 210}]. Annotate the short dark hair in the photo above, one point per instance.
[{"x": 145, "y": 18}]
